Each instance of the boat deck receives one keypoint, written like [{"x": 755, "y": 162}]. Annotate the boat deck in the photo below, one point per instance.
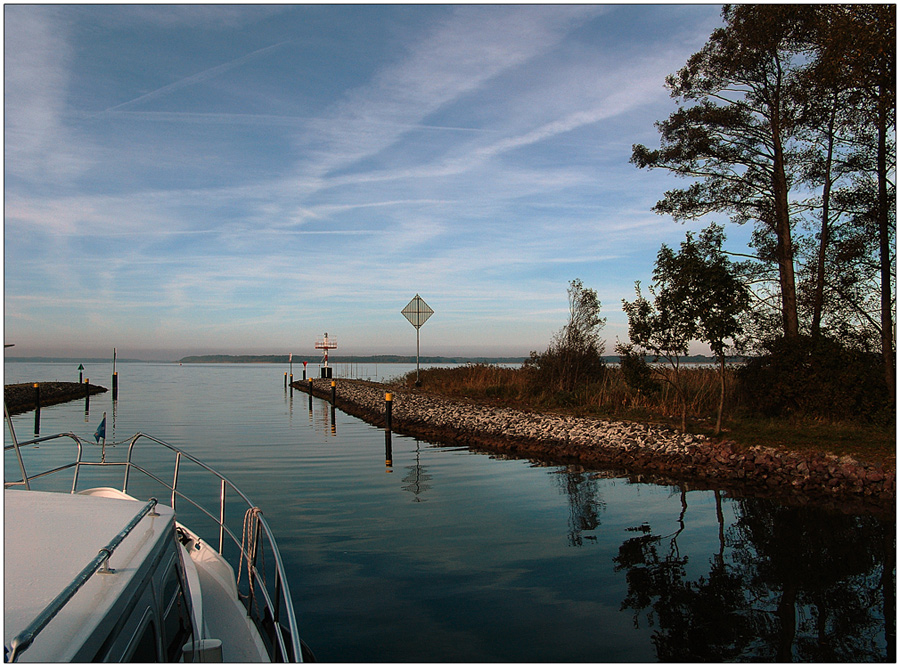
[
  {"x": 224, "y": 620},
  {"x": 48, "y": 539}
]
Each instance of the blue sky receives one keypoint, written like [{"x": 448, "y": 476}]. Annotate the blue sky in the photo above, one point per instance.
[{"x": 185, "y": 179}]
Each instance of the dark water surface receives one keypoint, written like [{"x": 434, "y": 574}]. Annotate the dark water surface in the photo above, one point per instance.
[{"x": 449, "y": 555}]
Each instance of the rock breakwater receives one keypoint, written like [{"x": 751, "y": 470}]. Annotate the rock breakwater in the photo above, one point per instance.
[
  {"x": 20, "y": 397},
  {"x": 649, "y": 452}
]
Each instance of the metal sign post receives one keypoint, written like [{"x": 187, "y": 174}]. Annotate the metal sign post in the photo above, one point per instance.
[{"x": 417, "y": 312}]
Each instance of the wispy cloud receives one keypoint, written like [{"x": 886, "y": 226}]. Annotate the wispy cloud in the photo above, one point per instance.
[
  {"x": 37, "y": 143},
  {"x": 194, "y": 79},
  {"x": 479, "y": 156},
  {"x": 457, "y": 56}
]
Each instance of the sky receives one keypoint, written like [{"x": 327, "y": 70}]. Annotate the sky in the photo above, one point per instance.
[{"x": 241, "y": 179}]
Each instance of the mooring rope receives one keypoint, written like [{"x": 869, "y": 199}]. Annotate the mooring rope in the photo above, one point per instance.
[{"x": 249, "y": 546}]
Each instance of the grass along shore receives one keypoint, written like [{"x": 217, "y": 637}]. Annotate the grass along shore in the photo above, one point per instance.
[{"x": 612, "y": 398}]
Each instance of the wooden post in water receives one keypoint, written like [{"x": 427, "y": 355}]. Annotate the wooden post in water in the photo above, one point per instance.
[
  {"x": 309, "y": 389},
  {"x": 285, "y": 379},
  {"x": 115, "y": 379},
  {"x": 333, "y": 392},
  {"x": 37, "y": 408},
  {"x": 388, "y": 408}
]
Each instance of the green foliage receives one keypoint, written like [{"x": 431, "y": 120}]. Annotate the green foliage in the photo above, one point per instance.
[
  {"x": 635, "y": 370},
  {"x": 816, "y": 378},
  {"x": 786, "y": 119},
  {"x": 697, "y": 296},
  {"x": 732, "y": 134}
]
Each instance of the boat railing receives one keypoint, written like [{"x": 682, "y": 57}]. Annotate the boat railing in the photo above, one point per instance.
[{"x": 277, "y": 620}]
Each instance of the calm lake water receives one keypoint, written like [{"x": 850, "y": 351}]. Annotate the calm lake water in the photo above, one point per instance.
[{"x": 451, "y": 555}]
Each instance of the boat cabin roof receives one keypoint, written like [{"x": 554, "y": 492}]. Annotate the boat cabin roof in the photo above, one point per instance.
[{"x": 48, "y": 539}]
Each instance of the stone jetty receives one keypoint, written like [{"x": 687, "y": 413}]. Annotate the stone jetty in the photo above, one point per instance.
[
  {"x": 643, "y": 452},
  {"x": 20, "y": 397}
]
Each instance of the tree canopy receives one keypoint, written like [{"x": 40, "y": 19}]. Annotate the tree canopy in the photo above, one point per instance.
[{"x": 785, "y": 120}]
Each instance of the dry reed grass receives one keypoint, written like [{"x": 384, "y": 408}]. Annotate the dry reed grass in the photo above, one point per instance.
[
  {"x": 613, "y": 398},
  {"x": 610, "y": 396}
]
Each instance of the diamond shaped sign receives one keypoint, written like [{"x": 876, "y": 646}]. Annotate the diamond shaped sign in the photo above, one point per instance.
[{"x": 417, "y": 311}]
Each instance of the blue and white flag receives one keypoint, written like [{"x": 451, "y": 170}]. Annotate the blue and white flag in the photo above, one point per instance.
[{"x": 101, "y": 430}]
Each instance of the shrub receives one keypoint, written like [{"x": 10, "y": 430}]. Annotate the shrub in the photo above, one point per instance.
[
  {"x": 575, "y": 356},
  {"x": 636, "y": 371},
  {"x": 816, "y": 377}
]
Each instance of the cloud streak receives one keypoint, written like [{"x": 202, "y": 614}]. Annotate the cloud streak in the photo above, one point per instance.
[
  {"x": 194, "y": 79},
  {"x": 479, "y": 156}
]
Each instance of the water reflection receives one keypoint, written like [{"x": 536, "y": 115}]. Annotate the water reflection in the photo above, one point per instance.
[
  {"x": 416, "y": 480},
  {"x": 585, "y": 505},
  {"x": 325, "y": 420},
  {"x": 796, "y": 586}
]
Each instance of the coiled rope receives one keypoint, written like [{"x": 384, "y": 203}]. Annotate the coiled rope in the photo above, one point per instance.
[{"x": 249, "y": 550}]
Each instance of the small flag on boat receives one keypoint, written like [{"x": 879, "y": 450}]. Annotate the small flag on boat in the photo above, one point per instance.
[{"x": 101, "y": 430}]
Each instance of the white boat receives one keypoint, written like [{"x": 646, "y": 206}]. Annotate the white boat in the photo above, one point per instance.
[{"x": 109, "y": 573}]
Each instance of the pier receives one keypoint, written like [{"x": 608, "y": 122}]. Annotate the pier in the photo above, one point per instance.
[
  {"x": 22, "y": 397},
  {"x": 648, "y": 452}
]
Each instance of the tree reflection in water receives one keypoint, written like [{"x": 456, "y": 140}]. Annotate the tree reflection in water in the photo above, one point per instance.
[
  {"x": 787, "y": 584},
  {"x": 585, "y": 503}
]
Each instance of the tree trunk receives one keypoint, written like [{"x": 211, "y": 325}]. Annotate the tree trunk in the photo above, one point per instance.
[
  {"x": 819, "y": 294},
  {"x": 721, "y": 395},
  {"x": 787, "y": 625},
  {"x": 784, "y": 248},
  {"x": 887, "y": 317}
]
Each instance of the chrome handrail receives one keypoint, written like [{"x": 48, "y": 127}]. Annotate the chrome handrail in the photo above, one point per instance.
[{"x": 282, "y": 596}]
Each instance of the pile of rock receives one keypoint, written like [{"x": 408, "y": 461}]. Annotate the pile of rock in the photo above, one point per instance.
[
  {"x": 21, "y": 397},
  {"x": 638, "y": 448}
]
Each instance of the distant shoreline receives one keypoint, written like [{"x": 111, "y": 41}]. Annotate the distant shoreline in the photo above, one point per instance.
[
  {"x": 315, "y": 359},
  {"x": 278, "y": 359}
]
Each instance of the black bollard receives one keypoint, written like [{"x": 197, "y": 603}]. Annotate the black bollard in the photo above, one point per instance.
[
  {"x": 37, "y": 408},
  {"x": 333, "y": 392},
  {"x": 115, "y": 384},
  {"x": 309, "y": 388},
  {"x": 388, "y": 409},
  {"x": 87, "y": 394},
  {"x": 285, "y": 380}
]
